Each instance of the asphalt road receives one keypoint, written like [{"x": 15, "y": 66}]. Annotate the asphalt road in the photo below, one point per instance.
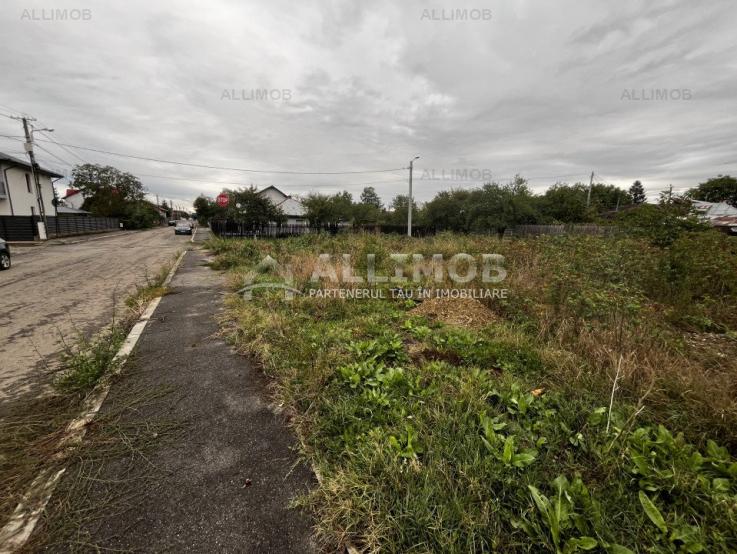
[{"x": 55, "y": 291}]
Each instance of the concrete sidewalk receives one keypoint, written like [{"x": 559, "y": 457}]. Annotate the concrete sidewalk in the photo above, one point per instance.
[{"x": 225, "y": 483}]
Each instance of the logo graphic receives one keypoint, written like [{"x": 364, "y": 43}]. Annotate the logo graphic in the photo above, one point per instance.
[{"x": 269, "y": 264}]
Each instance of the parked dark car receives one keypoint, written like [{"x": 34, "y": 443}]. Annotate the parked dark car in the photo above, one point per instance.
[{"x": 4, "y": 255}]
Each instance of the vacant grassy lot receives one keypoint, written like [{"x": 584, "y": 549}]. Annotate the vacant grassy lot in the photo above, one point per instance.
[{"x": 592, "y": 409}]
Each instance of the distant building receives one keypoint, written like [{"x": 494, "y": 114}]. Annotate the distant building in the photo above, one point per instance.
[
  {"x": 294, "y": 209},
  {"x": 719, "y": 215},
  {"x": 73, "y": 199}
]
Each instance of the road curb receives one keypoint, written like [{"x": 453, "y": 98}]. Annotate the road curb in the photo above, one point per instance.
[{"x": 16, "y": 532}]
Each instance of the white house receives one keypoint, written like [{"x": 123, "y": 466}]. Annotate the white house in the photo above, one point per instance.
[
  {"x": 294, "y": 209},
  {"x": 73, "y": 199},
  {"x": 18, "y": 191}
]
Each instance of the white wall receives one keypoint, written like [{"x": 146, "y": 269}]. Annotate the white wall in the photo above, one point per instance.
[
  {"x": 22, "y": 200},
  {"x": 75, "y": 201}
]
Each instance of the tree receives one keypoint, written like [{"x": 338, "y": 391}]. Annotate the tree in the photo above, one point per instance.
[
  {"x": 568, "y": 203},
  {"x": 167, "y": 209},
  {"x": 449, "y": 210},
  {"x": 107, "y": 191},
  {"x": 369, "y": 196},
  {"x": 497, "y": 207},
  {"x": 565, "y": 203},
  {"x": 606, "y": 198},
  {"x": 722, "y": 188},
  {"x": 662, "y": 223},
  {"x": 252, "y": 209},
  {"x": 343, "y": 206},
  {"x": 140, "y": 215},
  {"x": 206, "y": 209},
  {"x": 366, "y": 214},
  {"x": 328, "y": 210},
  {"x": 637, "y": 191},
  {"x": 398, "y": 211}
]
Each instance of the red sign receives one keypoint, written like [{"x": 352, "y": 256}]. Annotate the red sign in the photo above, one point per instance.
[{"x": 222, "y": 200}]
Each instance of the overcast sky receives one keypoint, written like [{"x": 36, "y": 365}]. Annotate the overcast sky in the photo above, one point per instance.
[{"x": 552, "y": 90}]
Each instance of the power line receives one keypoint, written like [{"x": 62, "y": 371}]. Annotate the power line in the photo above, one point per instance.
[
  {"x": 12, "y": 109},
  {"x": 205, "y": 166},
  {"x": 72, "y": 152},
  {"x": 55, "y": 156},
  {"x": 233, "y": 183}
]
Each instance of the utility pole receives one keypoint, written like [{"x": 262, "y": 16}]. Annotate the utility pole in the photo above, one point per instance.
[
  {"x": 409, "y": 202},
  {"x": 34, "y": 169},
  {"x": 591, "y": 184}
]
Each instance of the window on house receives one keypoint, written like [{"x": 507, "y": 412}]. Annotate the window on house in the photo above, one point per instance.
[
  {"x": 3, "y": 187},
  {"x": 28, "y": 182}
]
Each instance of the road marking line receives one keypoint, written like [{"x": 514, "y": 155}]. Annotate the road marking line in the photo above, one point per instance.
[{"x": 25, "y": 517}]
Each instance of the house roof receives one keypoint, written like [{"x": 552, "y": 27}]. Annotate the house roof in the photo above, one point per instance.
[
  {"x": 718, "y": 213},
  {"x": 276, "y": 189},
  {"x": 290, "y": 206},
  {"x": 20, "y": 163},
  {"x": 71, "y": 192}
]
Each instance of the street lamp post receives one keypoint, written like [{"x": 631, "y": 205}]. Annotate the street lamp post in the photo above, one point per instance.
[{"x": 409, "y": 203}]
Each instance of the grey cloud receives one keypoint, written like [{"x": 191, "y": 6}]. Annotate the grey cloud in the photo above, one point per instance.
[{"x": 536, "y": 90}]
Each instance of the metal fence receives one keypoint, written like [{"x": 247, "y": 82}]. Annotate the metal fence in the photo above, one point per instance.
[
  {"x": 570, "y": 229},
  {"x": 17, "y": 228},
  {"x": 64, "y": 226},
  {"x": 417, "y": 230},
  {"x": 235, "y": 229}
]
